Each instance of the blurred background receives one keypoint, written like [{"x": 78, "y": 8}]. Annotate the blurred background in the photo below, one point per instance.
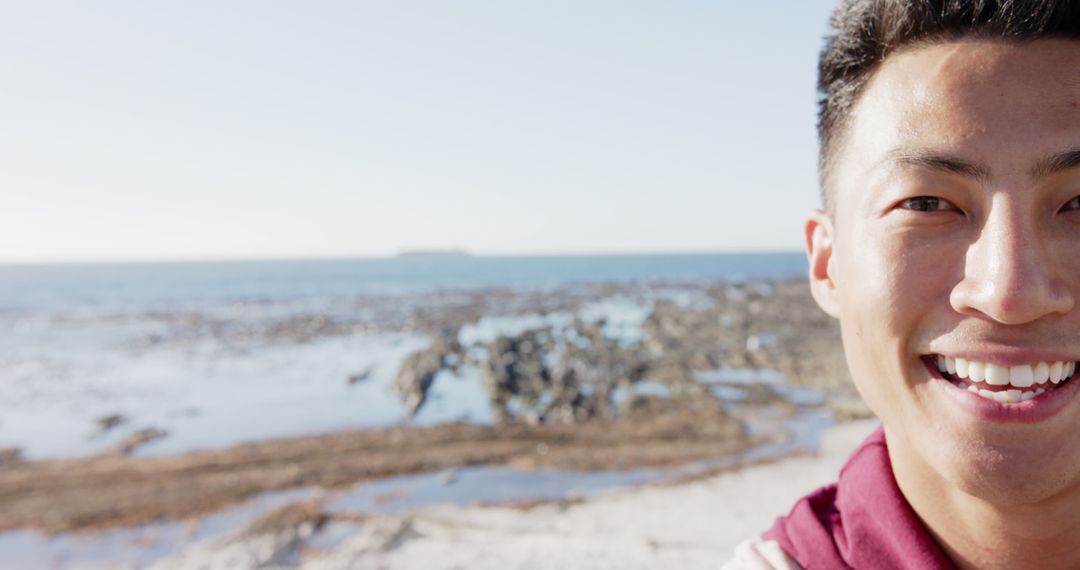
[{"x": 537, "y": 231}]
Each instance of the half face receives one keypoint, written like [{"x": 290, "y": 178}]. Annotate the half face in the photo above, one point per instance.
[{"x": 952, "y": 259}]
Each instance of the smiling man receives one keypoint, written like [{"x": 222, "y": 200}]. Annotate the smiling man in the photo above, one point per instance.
[{"x": 949, "y": 250}]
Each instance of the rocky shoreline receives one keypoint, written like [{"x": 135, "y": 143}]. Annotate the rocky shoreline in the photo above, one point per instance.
[
  {"x": 581, "y": 394},
  {"x": 570, "y": 374}
]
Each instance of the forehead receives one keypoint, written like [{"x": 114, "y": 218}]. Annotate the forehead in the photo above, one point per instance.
[{"x": 993, "y": 102}]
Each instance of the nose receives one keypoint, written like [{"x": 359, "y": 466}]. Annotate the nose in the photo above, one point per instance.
[{"x": 1010, "y": 274}]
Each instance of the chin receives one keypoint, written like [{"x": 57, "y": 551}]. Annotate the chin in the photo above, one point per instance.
[{"x": 1007, "y": 475}]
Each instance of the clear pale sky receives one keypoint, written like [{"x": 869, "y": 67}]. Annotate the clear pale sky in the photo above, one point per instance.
[{"x": 133, "y": 130}]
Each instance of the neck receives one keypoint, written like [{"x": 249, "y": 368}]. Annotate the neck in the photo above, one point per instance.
[{"x": 979, "y": 534}]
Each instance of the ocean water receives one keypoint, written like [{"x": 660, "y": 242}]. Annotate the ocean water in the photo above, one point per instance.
[
  {"x": 32, "y": 288},
  {"x": 177, "y": 346}
]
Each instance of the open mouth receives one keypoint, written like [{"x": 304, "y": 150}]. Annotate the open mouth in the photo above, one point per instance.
[{"x": 1003, "y": 384}]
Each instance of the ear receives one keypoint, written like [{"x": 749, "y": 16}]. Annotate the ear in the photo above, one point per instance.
[{"x": 819, "y": 250}]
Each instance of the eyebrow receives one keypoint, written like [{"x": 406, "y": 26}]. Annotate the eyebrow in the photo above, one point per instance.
[
  {"x": 943, "y": 163},
  {"x": 1056, "y": 163},
  {"x": 1047, "y": 166}
]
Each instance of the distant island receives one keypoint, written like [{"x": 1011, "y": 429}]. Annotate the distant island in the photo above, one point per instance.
[{"x": 424, "y": 254}]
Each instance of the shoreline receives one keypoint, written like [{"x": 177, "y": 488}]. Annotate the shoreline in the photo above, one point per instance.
[
  {"x": 688, "y": 524},
  {"x": 310, "y": 528},
  {"x": 107, "y": 491}
]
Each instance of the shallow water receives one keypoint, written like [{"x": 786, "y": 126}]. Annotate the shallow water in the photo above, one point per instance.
[
  {"x": 203, "y": 395},
  {"x": 500, "y": 484},
  {"x": 62, "y": 375},
  {"x": 482, "y": 485},
  {"x": 141, "y": 546},
  {"x": 134, "y": 547}
]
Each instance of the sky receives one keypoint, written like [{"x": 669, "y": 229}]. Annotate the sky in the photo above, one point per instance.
[{"x": 134, "y": 130}]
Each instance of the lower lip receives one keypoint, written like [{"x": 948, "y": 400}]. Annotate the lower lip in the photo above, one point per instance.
[{"x": 1038, "y": 409}]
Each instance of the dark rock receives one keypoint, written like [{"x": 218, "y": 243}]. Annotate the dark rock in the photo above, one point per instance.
[
  {"x": 539, "y": 376},
  {"x": 516, "y": 367},
  {"x": 140, "y": 438},
  {"x": 772, "y": 326},
  {"x": 10, "y": 456},
  {"x": 418, "y": 370},
  {"x": 110, "y": 421},
  {"x": 360, "y": 376},
  {"x": 567, "y": 375}
]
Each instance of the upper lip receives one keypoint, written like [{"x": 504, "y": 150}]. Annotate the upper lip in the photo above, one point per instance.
[{"x": 1009, "y": 356}]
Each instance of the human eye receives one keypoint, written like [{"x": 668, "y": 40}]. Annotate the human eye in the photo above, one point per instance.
[
  {"x": 1073, "y": 205},
  {"x": 927, "y": 204}
]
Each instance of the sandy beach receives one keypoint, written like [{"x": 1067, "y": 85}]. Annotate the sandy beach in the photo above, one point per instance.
[{"x": 688, "y": 525}]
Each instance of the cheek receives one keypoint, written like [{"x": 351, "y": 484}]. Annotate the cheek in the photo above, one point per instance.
[
  {"x": 886, "y": 286},
  {"x": 1064, "y": 252},
  {"x": 889, "y": 291},
  {"x": 902, "y": 278}
]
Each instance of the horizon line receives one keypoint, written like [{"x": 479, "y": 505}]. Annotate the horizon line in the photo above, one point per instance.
[{"x": 387, "y": 257}]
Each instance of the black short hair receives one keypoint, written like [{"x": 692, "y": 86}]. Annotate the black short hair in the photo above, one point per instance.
[{"x": 863, "y": 33}]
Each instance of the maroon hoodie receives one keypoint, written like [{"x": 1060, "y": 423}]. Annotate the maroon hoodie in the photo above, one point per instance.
[{"x": 862, "y": 521}]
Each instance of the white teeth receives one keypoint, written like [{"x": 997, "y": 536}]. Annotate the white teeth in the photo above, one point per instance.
[
  {"x": 1021, "y": 376},
  {"x": 1055, "y": 371},
  {"x": 995, "y": 375},
  {"x": 1008, "y": 396},
  {"x": 977, "y": 371},
  {"x": 1041, "y": 373}
]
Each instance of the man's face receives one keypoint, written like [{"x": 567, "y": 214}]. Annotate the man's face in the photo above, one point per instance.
[{"x": 955, "y": 233}]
